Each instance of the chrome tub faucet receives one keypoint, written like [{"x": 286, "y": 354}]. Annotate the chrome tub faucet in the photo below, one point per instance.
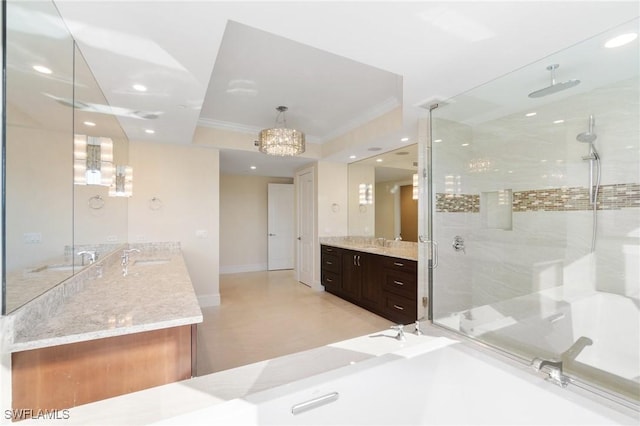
[{"x": 91, "y": 253}]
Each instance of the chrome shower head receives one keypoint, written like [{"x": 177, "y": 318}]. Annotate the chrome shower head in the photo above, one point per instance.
[
  {"x": 554, "y": 87},
  {"x": 588, "y": 136}
]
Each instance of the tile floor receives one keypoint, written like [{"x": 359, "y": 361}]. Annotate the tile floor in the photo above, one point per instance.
[{"x": 269, "y": 314}]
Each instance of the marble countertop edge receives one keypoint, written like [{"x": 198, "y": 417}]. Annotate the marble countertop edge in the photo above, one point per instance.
[
  {"x": 102, "y": 334},
  {"x": 386, "y": 251}
]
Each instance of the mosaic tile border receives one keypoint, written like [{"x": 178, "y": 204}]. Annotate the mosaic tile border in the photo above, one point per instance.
[{"x": 610, "y": 197}]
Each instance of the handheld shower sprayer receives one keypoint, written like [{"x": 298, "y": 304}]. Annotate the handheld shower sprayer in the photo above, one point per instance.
[{"x": 594, "y": 172}]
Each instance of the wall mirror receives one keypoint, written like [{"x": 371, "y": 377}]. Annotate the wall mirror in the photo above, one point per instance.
[
  {"x": 48, "y": 217},
  {"x": 382, "y": 201}
]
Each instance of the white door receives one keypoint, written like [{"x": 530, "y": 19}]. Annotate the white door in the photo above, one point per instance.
[
  {"x": 306, "y": 219},
  {"x": 281, "y": 226}
]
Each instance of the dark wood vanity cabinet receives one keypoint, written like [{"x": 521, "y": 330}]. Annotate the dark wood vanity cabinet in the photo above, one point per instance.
[
  {"x": 331, "y": 269},
  {"x": 400, "y": 289},
  {"x": 381, "y": 284}
]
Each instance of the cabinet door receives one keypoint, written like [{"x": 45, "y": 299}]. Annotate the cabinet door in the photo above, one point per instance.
[
  {"x": 371, "y": 285},
  {"x": 351, "y": 273}
]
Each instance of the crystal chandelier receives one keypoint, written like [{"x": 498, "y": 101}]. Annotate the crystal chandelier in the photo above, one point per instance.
[{"x": 280, "y": 140}]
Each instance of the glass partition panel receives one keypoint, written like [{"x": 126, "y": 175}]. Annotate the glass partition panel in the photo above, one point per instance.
[
  {"x": 536, "y": 212},
  {"x": 39, "y": 151}
]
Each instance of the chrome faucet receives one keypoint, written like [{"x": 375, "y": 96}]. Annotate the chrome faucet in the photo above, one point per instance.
[
  {"x": 400, "y": 329},
  {"x": 417, "y": 331},
  {"x": 575, "y": 349},
  {"x": 125, "y": 260},
  {"x": 91, "y": 253},
  {"x": 554, "y": 369}
]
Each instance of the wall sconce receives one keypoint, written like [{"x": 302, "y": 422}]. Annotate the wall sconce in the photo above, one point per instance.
[
  {"x": 92, "y": 160},
  {"x": 365, "y": 193},
  {"x": 122, "y": 183},
  {"x": 415, "y": 186}
]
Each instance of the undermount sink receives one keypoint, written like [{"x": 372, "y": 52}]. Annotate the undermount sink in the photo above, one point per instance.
[
  {"x": 375, "y": 248},
  {"x": 143, "y": 262}
]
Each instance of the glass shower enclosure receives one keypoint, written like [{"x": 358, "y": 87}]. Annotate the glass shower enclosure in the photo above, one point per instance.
[{"x": 534, "y": 204}]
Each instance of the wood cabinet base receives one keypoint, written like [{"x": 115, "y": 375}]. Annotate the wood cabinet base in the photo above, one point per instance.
[{"x": 65, "y": 376}]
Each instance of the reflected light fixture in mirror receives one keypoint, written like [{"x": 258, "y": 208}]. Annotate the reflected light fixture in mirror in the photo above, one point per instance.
[
  {"x": 281, "y": 140},
  {"x": 92, "y": 160},
  {"x": 365, "y": 194},
  {"x": 122, "y": 183},
  {"x": 415, "y": 186}
]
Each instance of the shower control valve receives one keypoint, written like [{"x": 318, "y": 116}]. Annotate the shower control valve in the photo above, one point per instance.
[{"x": 458, "y": 244}]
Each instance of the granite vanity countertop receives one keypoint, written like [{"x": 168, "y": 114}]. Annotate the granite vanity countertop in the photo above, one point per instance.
[
  {"x": 157, "y": 293},
  {"x": 400, "y": 249}
]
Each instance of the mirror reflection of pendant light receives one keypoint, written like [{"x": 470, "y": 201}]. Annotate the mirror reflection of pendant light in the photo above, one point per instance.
[
  {"x": 92, "y": 160},
  {"x": 281, "y": 140},
  {"x": 122, "y": 183}
]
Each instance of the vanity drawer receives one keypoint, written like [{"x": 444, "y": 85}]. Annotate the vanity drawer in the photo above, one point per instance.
[
  {"x": 335, "y": 251},
  {"x": 400, "y": 309},
  {"x": 330, "y": 280},
  {"x": 399, "y": 264},
  {"x": 401, "y": 283},
  {"x": 331, "y": 263}
]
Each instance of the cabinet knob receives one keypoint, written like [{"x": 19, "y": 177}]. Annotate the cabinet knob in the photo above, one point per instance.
[
  {"x": 400, "y": 308},
  {"x": 400, "y": 283}
]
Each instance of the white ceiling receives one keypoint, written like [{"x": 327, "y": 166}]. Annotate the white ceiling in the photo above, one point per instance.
[{"x": 334, "y": 64}]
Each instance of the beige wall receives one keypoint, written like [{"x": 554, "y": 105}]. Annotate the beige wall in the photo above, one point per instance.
[
  {"x": 243, "y": 222},
  {"x": 185, "y": 179},
  {"x": 386, "y": 210},
  {"x": 332, "y": 199},
  {"x": 331, "y": 188}
]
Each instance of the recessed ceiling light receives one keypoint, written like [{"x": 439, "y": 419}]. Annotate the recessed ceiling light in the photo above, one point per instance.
[
  {"x": 404, "y": 139},
  {"x": 379, "y": 160},
  {"x": 558, "y": 122},
  {"x": 437, "y": 141},
  {"x": 139, "y": 87},
  {"x": 402, "y": 153},
  {"x": 42, "y": 69},
  {"x": 374, "y": 148},
  {"x": 150, "y": 131},
  {"x": 543, "y": 161},
  {"x": 510, "y": 171},
  {"x": 89, "y": 123},
  {"x": 530, "y": 114},
  {"x": 253, "y": 167},
  {"x": 465, "y": 144},
  {"x": 352, "y": 157},
  {"x": 620, "y": 40}
]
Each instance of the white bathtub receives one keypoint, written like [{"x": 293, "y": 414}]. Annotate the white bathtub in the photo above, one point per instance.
[
  {"x": 454, "y": 384},
  {"x": 548, "y": 322}
]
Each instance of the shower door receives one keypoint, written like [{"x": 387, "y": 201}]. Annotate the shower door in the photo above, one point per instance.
[{"x": 525, "y": 262}]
